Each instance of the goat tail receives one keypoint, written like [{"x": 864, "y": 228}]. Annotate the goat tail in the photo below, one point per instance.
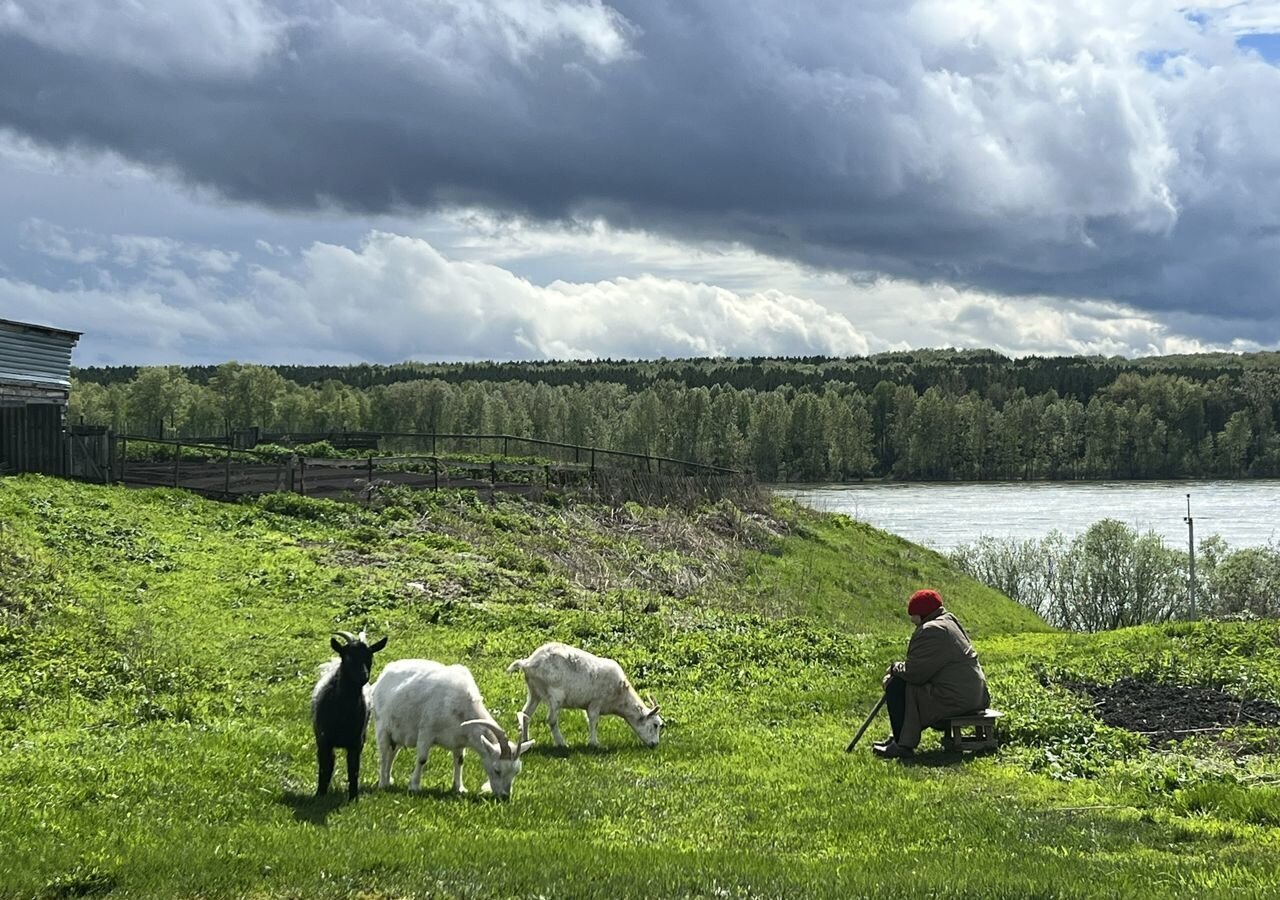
[{"x": 518, "y": 665}]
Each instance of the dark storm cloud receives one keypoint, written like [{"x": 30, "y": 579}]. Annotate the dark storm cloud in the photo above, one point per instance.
[{"x": 871, "y": 138}]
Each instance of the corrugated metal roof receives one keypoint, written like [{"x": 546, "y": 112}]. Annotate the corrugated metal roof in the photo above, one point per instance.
[
  {"x": 30, "y": 326},
  {"x": 33, "y": 354}
]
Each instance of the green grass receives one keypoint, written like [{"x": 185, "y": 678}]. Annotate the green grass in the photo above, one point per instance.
[
  {"x": 852, "y": 576},
  {"x": 157, "y": 652}
]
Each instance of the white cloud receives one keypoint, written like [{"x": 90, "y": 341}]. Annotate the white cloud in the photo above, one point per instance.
[
  {"x": 395, "y": 297},
  {"x": 204, "y": 37},
  {"x": 270, "y": 249},
  {"x": 1248, "y": 17},
  {"x": 464, "y": 39},
  {"x": 57, "y": 243}
]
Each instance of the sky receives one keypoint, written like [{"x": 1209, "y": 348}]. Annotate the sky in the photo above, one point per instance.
[{"x": 343, "y": 181}]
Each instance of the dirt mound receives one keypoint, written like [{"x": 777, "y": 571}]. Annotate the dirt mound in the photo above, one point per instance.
[{"x": 1166, "y": 712}]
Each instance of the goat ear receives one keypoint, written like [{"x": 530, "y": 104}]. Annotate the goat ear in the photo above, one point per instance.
[
  {"x": 337, "y": 648},
  {"x": 378, "y": 646},
  {"x": 520, "y": 750},
  {"x": 652, "y": 712},
  {"x": 490, "y": 745}
]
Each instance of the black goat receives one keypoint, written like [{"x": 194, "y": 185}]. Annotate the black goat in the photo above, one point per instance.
[{"x": 340, "y": 710}]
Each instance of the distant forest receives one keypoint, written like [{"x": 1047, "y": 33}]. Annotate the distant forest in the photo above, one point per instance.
[{"x": 933, "y": 415}]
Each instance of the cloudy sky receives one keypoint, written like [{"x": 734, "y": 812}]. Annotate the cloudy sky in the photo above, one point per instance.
[{"x": 191, "y": 181}]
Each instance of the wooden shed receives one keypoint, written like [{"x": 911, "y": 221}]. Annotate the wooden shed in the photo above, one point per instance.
[{"x": 35, "y": 384}]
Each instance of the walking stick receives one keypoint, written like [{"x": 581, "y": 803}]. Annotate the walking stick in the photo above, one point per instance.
[{"x": 865, "y": 725}]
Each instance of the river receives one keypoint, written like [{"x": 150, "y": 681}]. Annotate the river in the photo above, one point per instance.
[{"x": 945, "y": 516}]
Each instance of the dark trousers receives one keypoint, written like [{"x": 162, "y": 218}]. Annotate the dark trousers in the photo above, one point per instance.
[{"x": 895, "y": 698}]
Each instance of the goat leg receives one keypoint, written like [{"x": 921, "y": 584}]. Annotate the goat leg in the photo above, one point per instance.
[
  {"x": 353, "y": 772},
  {"x": 324, "y": 754}
]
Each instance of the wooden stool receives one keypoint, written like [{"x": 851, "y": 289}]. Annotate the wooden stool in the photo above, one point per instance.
[{"x": 984, "y": 731}]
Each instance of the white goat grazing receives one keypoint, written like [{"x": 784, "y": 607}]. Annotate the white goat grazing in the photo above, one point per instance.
[
  {"x": 420, "y": 703},
  {"x": 567, "y": 677}
]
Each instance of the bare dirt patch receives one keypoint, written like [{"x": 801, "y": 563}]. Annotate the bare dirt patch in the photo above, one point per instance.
[{"x": 1164, "y": 712}]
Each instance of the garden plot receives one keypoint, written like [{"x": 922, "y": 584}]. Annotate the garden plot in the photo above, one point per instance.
[{"x": 1164, "y": 712}]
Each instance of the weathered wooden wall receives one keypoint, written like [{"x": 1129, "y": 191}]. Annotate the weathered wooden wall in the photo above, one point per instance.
[{"x": 31, "y": 439}]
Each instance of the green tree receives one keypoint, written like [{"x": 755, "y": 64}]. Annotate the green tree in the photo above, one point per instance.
[
  {"x": 247, "y": 394},
  {"x": 98, "y": 404},
  {"x": 931, "y": 444},
  {"x": 1062, "y": 427},
  {"x": 849, "y": 433},
  {"x": 725, "y": 443},
  {"x": 808, "y": 452},
  {"x": 336, "y": 406},
  {"x": 1234, "y": 444},
  {"x": 641, "y": 426},
  {"x": 767, "y": 439},
  {"x": 158, "y": 400}
]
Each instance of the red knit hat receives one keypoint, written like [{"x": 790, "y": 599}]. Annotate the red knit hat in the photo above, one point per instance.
[{"x": 924, "y": 602}]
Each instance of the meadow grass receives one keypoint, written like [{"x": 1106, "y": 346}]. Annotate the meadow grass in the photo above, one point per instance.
[{"x": 157, "y": 652}]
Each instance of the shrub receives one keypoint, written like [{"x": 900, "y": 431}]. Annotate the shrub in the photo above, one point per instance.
[{"x": 1108, "y": 577}]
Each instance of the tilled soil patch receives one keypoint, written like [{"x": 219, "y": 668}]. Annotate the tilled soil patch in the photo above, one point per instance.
[{"x": 1164, "y": 712}]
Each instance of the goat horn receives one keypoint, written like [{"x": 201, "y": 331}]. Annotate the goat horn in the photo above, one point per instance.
[
  {"x": 504, "y": 742},
  {"x": 350, "y": 638}
]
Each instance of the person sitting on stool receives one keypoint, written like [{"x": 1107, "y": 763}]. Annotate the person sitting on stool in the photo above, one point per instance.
[{"x": 941, "y": 677}]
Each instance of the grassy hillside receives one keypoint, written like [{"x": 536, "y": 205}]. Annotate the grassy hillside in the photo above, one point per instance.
[{"x": 157, "y": 652}]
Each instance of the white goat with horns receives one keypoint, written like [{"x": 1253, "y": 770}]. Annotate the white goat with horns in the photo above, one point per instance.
[
  {"x": 567, "y": 677},
  {"x": 420, "y": 703}
]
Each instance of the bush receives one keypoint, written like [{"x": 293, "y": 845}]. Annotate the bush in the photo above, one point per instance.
[
  {"x": 1245, "y": 583},
  {"x": 1108, "y": 577}
]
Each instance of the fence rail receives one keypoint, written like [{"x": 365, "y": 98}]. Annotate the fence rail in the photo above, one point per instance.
[
  {"x": 248, "y": 438},
  {"x": 222, "y": 470}
]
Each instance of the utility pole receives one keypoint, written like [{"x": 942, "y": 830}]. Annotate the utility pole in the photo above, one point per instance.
[{"x": 1191, "y": 557}]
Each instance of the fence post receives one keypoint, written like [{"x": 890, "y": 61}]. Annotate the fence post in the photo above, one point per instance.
[
  {"x": 226, "y": 473},
  {"x": 177, "y": 461},
  {"x": 302, "y": 476},
  {"x": 124, "y": 458},
  {"x": 368, "y": 494},
  {"x": 435, "y": 468},
  {"x": 593, "y": 460},
  {"x": 505, "y": 446}
]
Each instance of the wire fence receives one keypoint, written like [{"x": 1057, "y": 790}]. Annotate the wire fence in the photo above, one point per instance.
[{"x": 222, "y": 470}]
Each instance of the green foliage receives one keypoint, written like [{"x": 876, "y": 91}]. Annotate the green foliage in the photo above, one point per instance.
[
  {"x": 300, "y": 507},
  {"x": 924, "y": 415},
  {"x": 1112, "y": 576}
]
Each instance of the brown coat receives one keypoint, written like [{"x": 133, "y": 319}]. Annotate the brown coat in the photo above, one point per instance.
[{"x": 943, "y": 676}]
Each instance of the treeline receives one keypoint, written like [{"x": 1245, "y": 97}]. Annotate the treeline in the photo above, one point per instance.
[
  {"x": 986, "y": 372},
  {"x": 1111, "y": 576},
  {"x": 1141, "y": 423}
]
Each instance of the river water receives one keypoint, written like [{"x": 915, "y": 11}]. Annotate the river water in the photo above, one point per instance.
[{"x": 944, "y": 516}]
